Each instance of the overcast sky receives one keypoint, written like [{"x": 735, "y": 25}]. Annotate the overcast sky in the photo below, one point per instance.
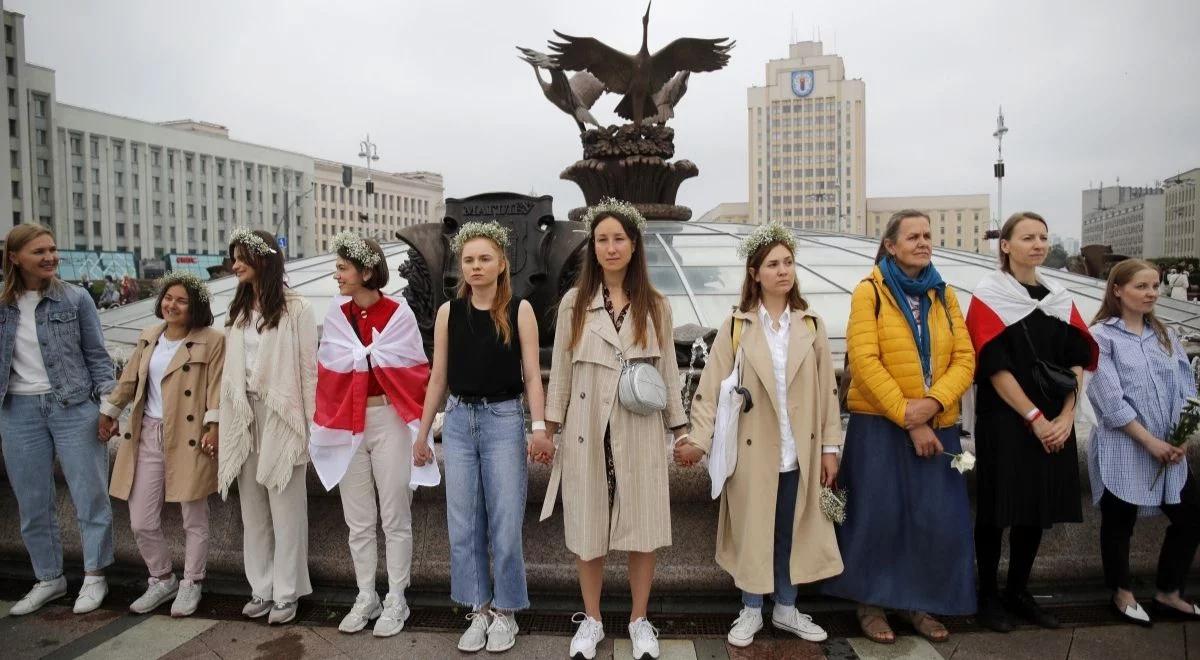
[{"x": 1091, "y": 90}]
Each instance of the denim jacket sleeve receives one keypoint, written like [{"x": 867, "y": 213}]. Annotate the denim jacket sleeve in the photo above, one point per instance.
[{"x": 95, "y": 355}]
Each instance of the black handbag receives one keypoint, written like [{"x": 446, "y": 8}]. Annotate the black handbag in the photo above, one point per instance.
[{"x": 1054, "y": 381}]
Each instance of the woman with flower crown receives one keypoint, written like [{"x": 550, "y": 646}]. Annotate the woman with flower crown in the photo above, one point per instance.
[
  {"x": 1140, "y": 392},
  {"x": 371, "y": 378},
  {"x": 268, "y": 393},
  {"x": 168, "y": 450},
  {"x": 485, "y": 353},
  {"x": 906, "y": 541},
  {"x": 612, "y": 461},
  {"x": 771, "y": 533}
]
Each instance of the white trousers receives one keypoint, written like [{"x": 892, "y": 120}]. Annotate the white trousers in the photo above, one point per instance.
[
  {"x": 382, "y": 464},
  {"x": 275, "y": 530}
]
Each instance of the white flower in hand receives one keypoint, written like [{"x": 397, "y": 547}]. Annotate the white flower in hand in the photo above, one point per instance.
[{"x": 964, "y": 462}]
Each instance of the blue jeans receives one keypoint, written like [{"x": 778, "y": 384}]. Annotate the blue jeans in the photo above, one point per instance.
[
  {"x": 34, "y": 429},
  {"x": 486, "y": 479},
  {"x": 785, "y": 512}
]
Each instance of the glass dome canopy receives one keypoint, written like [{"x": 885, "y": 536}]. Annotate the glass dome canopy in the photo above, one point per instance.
[{"x": 696, "y": 266}]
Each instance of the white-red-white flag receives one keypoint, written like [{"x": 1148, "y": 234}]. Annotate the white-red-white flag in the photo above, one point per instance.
[{"x": 397, "y": 358}]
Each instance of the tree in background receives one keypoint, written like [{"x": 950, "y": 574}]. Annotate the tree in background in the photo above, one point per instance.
[{"x": 1057, "y": 258}]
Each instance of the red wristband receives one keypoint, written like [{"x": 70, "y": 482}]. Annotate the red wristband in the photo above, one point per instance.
[{"x": 1034, "y": 417}]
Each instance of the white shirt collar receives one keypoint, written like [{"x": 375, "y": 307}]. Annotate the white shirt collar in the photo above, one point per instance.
[{"x": 765, "y": 316}]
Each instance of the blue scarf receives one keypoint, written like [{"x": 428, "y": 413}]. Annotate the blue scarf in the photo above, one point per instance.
[{"x": 902, "y": 285}]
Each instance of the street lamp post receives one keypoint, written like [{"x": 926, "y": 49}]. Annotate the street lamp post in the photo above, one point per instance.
[
  {"x": 367, "y": 151},
  {"x": 998, "y": 168},
  {"x": 287, "y": 196}
]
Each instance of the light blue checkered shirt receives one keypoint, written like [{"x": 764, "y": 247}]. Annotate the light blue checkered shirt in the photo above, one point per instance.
[{"x": 1136, "y": 379}]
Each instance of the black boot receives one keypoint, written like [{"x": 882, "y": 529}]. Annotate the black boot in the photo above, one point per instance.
[
  {"x": 991, "y": 614},
  {"x": 1023, "y": 605}
]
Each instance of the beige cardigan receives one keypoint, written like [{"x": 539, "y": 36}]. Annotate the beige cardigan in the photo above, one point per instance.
[{"x": 288, "y": 388}]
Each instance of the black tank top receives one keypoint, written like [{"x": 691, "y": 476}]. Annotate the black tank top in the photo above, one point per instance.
[{"x": 477, "y": 363}]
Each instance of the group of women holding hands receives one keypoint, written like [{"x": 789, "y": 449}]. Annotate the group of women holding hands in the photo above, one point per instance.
[{"x": 198, "y": 409}]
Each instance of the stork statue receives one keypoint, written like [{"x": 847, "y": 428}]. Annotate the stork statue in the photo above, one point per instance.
[
  {"x": 641, "y": 76},
  {"x": 574, "y": 96}
]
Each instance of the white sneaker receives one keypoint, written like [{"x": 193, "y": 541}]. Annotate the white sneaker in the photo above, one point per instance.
[
  {"x": 502, "y": 634},
  {"x": 43, "y": 592},
  {"x": 187, "y": 600},
  {"x": 95, "y": 588},
  {"x": 476, "y": 636},
  {"x": 644, "y": 638},
  {"x": 791, "y": 620},
  {"x": 366, "y": 607},
  {"x": 157, "y": 593},
  {"x": 748, "y": 623},
  {"x": 589, "y": 634},
  {"x": 256, "y": 608},
  {"x": 391, "y": 621}
]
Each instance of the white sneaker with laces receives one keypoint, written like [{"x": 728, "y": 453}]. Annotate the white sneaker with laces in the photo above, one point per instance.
[
  {"x": 366, "y": 607},
  {"x": 157, "y": 592},
  {"x": 476, "y": 636},
  {"x": 793, "y": 621},
  {"x": 589, "y": 634},
  {"x": 748, "y": 623},
  {"x": 94, "y": 589},
  {"x": 43, "y": 592},
  {"x": 187, "y": 600},
  {"x": 502, "y": 634},
  {"x": 391, "y": 621},
  {"x": 644, "y": 638},
  {"x": 256, "y": 608}
]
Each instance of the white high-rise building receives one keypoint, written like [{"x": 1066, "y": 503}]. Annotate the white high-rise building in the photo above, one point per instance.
[
  {"x": 807, "y": 143},
  {"x": 1129, "y": 219}
]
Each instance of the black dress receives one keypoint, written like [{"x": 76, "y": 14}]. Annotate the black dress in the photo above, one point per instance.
[{"x": 1018, "y": 482}]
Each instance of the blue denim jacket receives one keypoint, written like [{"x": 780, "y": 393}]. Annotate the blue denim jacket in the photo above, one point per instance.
[{"x": 68, "y": 328}]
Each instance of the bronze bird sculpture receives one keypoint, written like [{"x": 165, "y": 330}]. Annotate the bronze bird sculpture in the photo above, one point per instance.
[
  {"x": 575, "y": 96},
  {"x": 643, "y": 74},
  {"x": 666, "y": 98}
]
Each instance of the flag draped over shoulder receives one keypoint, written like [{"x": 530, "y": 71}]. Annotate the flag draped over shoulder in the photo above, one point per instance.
[
  {"x": 1000, "y": 301},
  {"x": 398, "y": 361}
]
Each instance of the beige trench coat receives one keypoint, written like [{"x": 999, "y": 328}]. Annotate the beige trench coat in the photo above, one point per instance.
[
  {"x": 191, "y": 389},
  {"x": 746, "y": 526},
  {"x": 582, "y": 396}
]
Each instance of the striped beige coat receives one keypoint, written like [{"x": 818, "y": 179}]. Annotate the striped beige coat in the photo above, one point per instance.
[{"x": 582, "y": 397}]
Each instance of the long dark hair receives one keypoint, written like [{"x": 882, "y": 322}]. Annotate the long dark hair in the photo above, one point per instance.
[
  {"x": 499, "y": 310},
  {"x": 268, "y": 269},
  {"x": 752, "y": 291},
  {"x": 644, "y": 300},
  {"x": 1118, "y": 276}
]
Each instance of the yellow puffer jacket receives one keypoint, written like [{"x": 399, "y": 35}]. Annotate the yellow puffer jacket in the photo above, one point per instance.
[{"x": 885, "y": 367}]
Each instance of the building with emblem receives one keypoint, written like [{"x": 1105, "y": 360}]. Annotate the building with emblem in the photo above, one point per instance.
[
  {"x": 957, "y": 221},
  {"x": 807, "y": 143}
]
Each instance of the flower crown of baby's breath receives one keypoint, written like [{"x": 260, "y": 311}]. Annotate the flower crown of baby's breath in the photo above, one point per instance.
[
  {"x": 608, "y": 206},
  {"x": 765, "y": 234},
  {"x": 251, "y": 241},
  {"x": 187, "y": 280},
  {"x": 356, "y": 249},
  {"x": 493, "y": 230}
]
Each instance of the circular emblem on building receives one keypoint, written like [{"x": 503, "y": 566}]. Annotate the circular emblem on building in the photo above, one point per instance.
[{"x": 803, "y": 83}]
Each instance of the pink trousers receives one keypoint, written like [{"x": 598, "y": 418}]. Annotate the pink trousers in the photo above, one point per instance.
[{"x": 145, "y": 511}]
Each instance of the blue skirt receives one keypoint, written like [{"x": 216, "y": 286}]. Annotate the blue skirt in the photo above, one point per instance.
[{"x": 907, "y": 541}]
